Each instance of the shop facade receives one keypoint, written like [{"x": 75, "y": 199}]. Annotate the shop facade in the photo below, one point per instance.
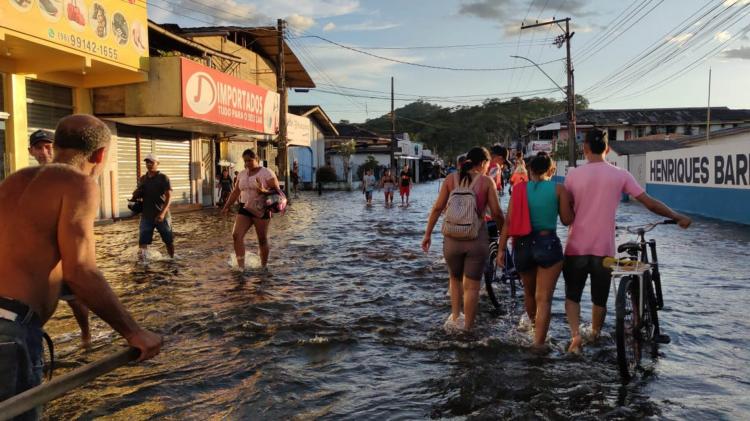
[{"x": 53, "y": 60}]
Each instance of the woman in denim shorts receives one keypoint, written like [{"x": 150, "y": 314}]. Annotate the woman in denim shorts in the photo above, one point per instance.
[{"x": 539, "y": 255}]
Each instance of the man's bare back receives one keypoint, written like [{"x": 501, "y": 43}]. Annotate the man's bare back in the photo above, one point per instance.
[{"x": 31, "y": 222}]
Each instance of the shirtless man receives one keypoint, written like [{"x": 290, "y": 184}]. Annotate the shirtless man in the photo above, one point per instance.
[
  {"x": 40, "y": 147},
  {"x": 47, "y": 232}
]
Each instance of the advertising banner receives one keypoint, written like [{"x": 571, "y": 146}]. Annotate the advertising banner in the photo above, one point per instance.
[
  {"x": 217, "y": 97},
  {"x": 114, "y": 30},
  {"x": 297, "y": 130},
  {"x": 540, "y": 146},
  {"x": 721, "y": 166}
]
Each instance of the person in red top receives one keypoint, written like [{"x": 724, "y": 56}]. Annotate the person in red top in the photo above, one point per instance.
[
  {"x": 498, "y": 160},
  {"x": 405, "y": 183}
]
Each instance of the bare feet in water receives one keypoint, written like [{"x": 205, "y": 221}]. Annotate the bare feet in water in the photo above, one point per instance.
[{"x": 575, "y": 345}]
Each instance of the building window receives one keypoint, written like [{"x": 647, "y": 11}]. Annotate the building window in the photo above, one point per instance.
[
  {"x": 671, "y": 129},
  {"x": 612, "y": 134},
  {"x": 628, "y": 134},
  {"x": 688, "y": 130},
  {"x": 639, "y": 132}
]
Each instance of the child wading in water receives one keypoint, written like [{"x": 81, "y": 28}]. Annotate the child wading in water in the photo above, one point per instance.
[{"x": 368, "y": 186}]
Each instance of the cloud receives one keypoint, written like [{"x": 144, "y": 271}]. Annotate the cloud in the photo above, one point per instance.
[
  {"x": 499, "y": 10},
  {"x": 300, "y": 23},
  {"x": 730, "y": 3},
  {"x": 486, "y": 9},
  {"x": 330, "y": 26},
  {"x": 722, "y": 36},
  {"x": 368, "y": 25},
  {"x": 256, "y": 13},
  {"x": 742, "y": 53},
  {"x": 679, "y": 39}
]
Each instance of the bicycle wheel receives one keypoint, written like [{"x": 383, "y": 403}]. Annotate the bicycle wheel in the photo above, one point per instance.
[
  {"x": 627, "y": 328},
  {"x": 491, "y": 281},
  {"x": 650, "y": 319}
]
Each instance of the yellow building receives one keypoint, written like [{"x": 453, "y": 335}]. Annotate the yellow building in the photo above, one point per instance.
[{"x": 52, "y": 56}]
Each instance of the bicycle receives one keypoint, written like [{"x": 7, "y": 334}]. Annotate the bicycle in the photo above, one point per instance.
[
  {"x": 638, "y": 298},
  {"x": 508, "y": 276}
]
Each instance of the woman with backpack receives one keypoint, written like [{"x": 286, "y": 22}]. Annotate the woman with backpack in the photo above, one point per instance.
[
  {"x": 465, "y": 197},
  {"x": 538, "y": 251}
]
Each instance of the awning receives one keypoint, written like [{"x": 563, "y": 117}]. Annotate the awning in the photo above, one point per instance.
[{"x": 547, "y": 127}]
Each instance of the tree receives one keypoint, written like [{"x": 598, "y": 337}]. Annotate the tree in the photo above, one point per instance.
[
  {"x": 370, "y": 164},
  {"x": 346, "y": 150}
]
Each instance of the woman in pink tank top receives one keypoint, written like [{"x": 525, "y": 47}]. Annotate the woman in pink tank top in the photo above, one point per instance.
[
  {"x": 252, "y": 184},
  {"x": 466, "y": 259}
]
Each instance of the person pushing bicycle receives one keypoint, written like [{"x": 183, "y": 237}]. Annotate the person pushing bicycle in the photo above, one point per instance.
[{"x": 596, "y": 188}]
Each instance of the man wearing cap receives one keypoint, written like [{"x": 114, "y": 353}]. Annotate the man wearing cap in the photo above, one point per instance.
[
  {"x": 156, "y": 191},
  {"x": 40, "y": 146}
]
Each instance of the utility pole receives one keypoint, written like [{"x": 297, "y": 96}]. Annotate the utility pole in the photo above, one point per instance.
[
  {"x": 394, "y": 143},
  {"x": 281, "y": 88},
  {"x": 570, "y": 91}
]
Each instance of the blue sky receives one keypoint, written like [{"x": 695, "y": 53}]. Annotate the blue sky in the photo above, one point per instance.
[{"x": 610, "y": 49}]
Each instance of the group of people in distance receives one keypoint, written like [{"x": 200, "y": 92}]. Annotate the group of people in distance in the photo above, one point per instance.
[
  {"x": 388, "y": 183},
  {"x": 587, "y": 203}
]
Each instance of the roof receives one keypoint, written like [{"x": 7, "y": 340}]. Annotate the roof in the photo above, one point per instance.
[
  {"x": 650, "y": 116},
  {"x": 262, "y": 40},
  {"x": 160, "y": 37},
  {"x": 633, "y": 147},
  {"x": 690, "y": 140},
  {"x": 316, "y": 112}
]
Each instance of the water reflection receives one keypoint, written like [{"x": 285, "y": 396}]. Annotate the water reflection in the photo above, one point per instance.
[{"x": 348, "y": 323}]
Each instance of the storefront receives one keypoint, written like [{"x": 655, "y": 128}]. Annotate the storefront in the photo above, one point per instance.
[
  {"x": 193, "y": 117},
  {"x": 51, "y": 60}
]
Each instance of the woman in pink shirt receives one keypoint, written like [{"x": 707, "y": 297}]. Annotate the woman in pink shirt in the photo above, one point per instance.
[{"x": 253, "y": 183}]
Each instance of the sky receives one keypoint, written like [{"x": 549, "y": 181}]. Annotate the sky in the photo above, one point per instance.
[{"x": 626, "y": 54}]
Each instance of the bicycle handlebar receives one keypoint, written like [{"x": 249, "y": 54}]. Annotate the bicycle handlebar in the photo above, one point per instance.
[{"x": 636, "y": 229}]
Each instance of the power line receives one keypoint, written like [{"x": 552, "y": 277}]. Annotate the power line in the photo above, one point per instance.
[
  {"x": 638, "y": 60},
  {"x": 427, "y": 66},
  {"x": 446, "y": 96},
  {"x": 702, "y": 36},
  {"x": 676, "y": 75},
  {"x": 595, "y": 50},
  {"x": 436, "y": 47}
]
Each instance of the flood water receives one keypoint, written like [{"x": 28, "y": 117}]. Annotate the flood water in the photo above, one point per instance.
[{"x": 348, "y": 324}]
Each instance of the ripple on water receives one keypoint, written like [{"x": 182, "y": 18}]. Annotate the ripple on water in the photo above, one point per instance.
[{"x": 348, "y": 323}]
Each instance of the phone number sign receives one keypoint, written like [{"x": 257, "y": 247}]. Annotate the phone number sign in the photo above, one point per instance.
[{"x": 115, "y": 30}]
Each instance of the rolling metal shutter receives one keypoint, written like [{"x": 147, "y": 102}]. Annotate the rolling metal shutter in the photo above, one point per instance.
[
  {"x": 46, "y": 104},
  {"x": 174, "y": 161},
  {"x": 127, "y": 167},
  {"x": 304, "y": 157}
]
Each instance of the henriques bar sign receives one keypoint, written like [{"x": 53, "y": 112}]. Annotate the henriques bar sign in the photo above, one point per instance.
[
  {"x": 709, "y": 166},
  {"x": 216, "y": 97}
]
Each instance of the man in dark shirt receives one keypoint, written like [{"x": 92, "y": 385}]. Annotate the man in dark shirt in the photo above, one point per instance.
[{"x": 156, "y": 191}]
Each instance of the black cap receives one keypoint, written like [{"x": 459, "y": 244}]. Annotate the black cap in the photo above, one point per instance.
[{"x": 41, "y": 136}]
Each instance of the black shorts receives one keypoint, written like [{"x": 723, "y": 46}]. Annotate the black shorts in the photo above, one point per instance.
[
  {"x": 245, "y": 212},
  {"x": 538, "y": 250},
  {"x": 575, "y": 271}
]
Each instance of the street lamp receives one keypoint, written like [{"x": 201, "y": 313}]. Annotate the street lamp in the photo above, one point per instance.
[{"x": 571, "y": 113}]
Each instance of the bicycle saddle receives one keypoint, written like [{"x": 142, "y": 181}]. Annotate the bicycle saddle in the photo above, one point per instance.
[{"x": 630, "y": 247}]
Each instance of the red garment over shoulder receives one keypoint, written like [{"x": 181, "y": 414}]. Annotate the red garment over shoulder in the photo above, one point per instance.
[{"x": 519, "y": 224}]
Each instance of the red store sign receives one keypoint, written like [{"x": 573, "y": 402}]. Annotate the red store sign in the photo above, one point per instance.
[{"x": 216, "y": 97}]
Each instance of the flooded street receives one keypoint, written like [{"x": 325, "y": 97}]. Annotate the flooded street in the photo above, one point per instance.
[{"x": 348, "y": 324}]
